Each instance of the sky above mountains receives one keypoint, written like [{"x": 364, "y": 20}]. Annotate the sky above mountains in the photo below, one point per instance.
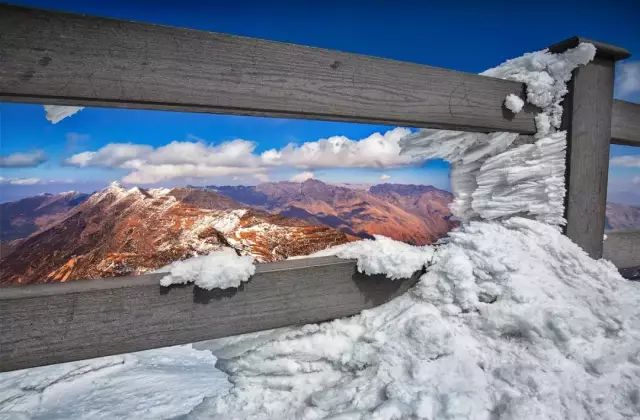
[{"x": 86, "y": 151}]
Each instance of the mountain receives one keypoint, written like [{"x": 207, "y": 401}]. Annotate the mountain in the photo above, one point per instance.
[
  {"x": 120, "y": 231},
  {"x": 622, "y": 216},
  {"x": 412, "y": 213},
  {"x": 21, "y": 218}
]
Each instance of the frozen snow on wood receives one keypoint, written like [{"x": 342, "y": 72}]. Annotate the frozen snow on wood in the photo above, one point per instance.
[
  {"x": 57, "y": 113},
  {"x": 546, "y": 76},
  {"x": 395, "y": 259},
  {"x": 221, "y": 269},
  {"x": 513, "y": 103}
]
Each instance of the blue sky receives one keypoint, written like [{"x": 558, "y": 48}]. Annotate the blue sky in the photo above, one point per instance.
[{"x": 464, "y": 35}]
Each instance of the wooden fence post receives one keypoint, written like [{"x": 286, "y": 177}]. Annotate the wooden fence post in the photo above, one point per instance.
[{"x": 587, "y": 119}]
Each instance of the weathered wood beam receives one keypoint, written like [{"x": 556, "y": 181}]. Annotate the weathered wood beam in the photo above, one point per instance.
[
  {"x": 625, "y": 123},
  {"x": 61, "y": 58},
  {"x": 54, "y": 323},
  {"x": 587, "y": 119}
]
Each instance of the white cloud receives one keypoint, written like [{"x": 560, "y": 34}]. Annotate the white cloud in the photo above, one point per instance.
[
  {"x": 627, "y": 78},
  {"x": 376, "y": 151},
  {"x": 57, "y": 113},
  {"x": 19, "y": 181},
  {"x": 629, "y": 161},
  {"x": 302, "y": 176},
  {"x": 385, "y": 177},
  {"x": 23, "y": 160},
  {"x": 197, "y": 159}
]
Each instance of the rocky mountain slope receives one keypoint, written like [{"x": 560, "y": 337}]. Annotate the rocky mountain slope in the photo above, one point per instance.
[
  {"x": 119, "y": 231},
  {"x": 412, "y": 213},
  {"x": 622, "y": 216},
  {"x": 21, "y": 218}
]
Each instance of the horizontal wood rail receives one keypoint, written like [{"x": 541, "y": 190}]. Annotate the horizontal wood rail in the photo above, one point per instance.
[
  {"x": 625, "y": 123},
  {"x": 61, "y": 322},
  {"x": 623, "y": 248},
  {"x": 60, "y": 58}
]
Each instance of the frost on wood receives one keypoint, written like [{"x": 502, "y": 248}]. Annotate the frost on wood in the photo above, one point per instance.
[
  {"x": 546, "y": 76},
  {"x": 513, "y": 103},
  {"x": 512, "y": 320},
  {"x": 490, "y": 177},
  {"x": 221, "y": 269},
  {"x": 161, "y": 383},
  {"x": 57, "y": 113},
  {"x": 395, "y": 259}
]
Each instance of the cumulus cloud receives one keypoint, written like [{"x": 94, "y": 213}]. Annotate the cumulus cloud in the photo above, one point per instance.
[
  {"x": 628, "y": 161},
  {"x": 302, "y": 176},
  {"x": 23, "y": 160},
  {"x": 19, "y": 181},
  {"x": 197, "y": 159},
  {"x": 57, "y": 113},
  {"x": 627, "y": 78},
  {"x": 385, "y": 177},
  {"x": 376, "y": 151}
]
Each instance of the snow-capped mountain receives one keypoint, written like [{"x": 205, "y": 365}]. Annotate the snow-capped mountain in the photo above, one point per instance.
[{"x": 120, "y": 231}]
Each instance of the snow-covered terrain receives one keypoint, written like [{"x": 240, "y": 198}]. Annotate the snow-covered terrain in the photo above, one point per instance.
[
  {"x": 151, "y": 384},
  {"x": 512, "y": 320}
]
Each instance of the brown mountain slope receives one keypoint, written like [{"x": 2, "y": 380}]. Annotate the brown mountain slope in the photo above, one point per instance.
[
  {"x": 419, "y": 218},
  {"x": 118, "y": 232},
  {"x": 19, "y": 219}
]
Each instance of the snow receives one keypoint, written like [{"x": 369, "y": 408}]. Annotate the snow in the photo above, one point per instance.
[
  {"x": 546, "y": 75},
  {"x": 57, "y": 113},
  {"x": 146, "y": 385},
  {"x": 222, "y": 269},
  {"x": 395, "y": 259},
  {"x": 513, "y": 103},
  {"x": 511, "y": 320}
]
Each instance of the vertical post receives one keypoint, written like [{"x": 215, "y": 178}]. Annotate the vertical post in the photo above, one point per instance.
[{"x": 587, "y": 119}]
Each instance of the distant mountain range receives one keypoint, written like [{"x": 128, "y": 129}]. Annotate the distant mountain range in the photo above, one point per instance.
[
  {"x": 622, "y": 216},
  {"x": 118, "y": 231},
  {"x": 417, "y": 214}
]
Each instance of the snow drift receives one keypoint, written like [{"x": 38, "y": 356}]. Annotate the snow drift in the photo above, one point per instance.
[{"x": 512, "y": 320}]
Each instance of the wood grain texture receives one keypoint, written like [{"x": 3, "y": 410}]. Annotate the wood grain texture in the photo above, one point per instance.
[
  {"x": 59, "y": 58},
  {"x": 623, "y": 248},
  {"x": 587, "y": 119},
  {"x": 625, "y": 123},
  {"x": 54, "y": 323}
]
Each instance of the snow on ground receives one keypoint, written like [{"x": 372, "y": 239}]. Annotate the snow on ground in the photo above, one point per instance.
[
  {"x": 512, "y": 320},
  {"x": 383, "y": 255},
  {"x": 221, "y": 269},
  {"x": 151, "y": 384},
  {"x": 57, "y": 113}
]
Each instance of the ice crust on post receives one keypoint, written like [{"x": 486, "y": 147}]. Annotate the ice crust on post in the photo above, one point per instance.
[{"x": 221, "y": 269}]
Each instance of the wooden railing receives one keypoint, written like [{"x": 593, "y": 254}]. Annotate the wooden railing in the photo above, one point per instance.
[{"x": 60, "y": 58}]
